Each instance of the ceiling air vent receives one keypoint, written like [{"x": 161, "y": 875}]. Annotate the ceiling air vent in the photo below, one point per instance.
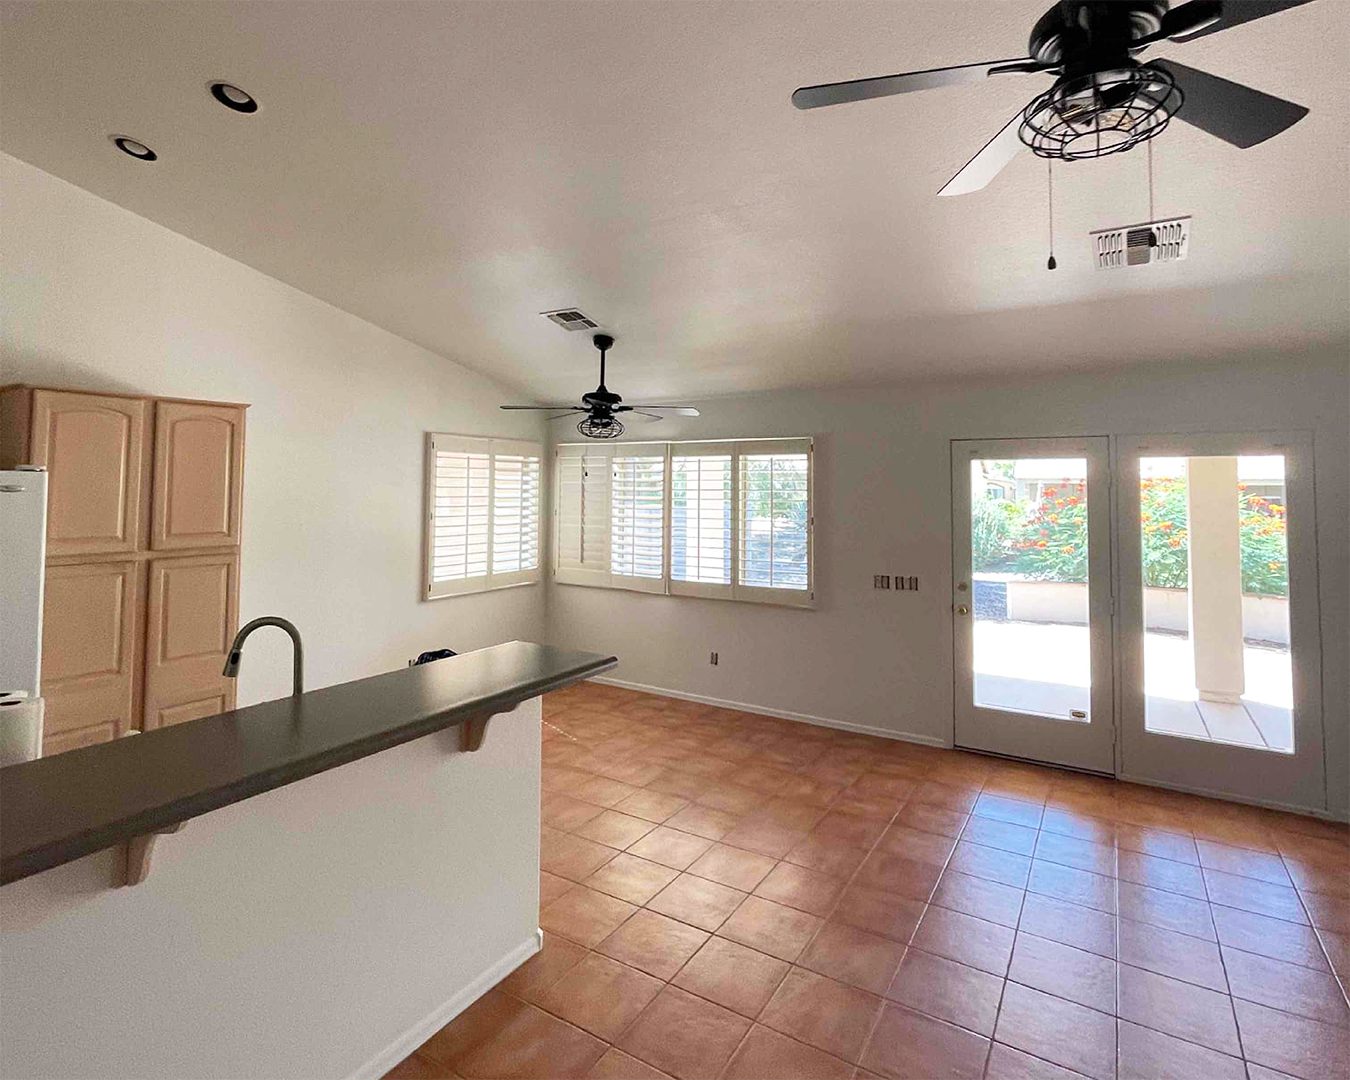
[
  {"x": 1138, "y": 245},
  {"x": 570, "y": 319}
]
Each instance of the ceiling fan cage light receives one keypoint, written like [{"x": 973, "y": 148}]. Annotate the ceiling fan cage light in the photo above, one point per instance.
[
  {"x": 1100, "y": 113},
  {"x": 600, "y": 427}
]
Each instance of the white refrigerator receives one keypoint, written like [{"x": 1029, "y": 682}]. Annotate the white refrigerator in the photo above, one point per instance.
[{"x": 23, "y": 552}]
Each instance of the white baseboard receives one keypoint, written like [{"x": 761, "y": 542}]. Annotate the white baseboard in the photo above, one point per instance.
[
  {"x": 1228, "y": 796},
  {"x": 782, "y": 714},
  {"x": 421, "y": 1031}
]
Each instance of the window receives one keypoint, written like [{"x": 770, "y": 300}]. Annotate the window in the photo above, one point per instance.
[
  {"x": 483, "y": 503},
  {"x": 731, "y": 520}
]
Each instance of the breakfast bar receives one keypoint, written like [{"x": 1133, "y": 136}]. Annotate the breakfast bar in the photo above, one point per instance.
[{"x": 360, "y": 861}]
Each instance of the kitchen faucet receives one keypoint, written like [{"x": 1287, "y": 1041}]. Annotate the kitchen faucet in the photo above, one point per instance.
[{"x": 231, "y": 669}]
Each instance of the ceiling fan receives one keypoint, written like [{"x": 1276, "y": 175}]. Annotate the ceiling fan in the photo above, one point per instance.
[
  {"x": 1103, "y": 101},
  {"x": 601, "y": 404}
]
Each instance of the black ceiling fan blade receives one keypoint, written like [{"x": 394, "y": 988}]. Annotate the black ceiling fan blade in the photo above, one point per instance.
[
  {"x": 988, "y": 163},
  {"x": 678, "y": 410},
  {"x": 813, "y": 97},
  {"x": 1229, "y": 111},
  {"x": 1198, "y": 16},
  {"x": 542, "y": 408}
]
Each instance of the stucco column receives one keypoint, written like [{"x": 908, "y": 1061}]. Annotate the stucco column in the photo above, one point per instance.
[{"x": 1215, "y": 577}]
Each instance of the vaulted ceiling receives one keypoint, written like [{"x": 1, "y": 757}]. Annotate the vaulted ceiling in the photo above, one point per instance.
[{"x": 449, "y": 170}]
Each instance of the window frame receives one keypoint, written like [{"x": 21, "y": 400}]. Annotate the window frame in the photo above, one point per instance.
[
  {"x": 493, "y": 447},
  {"x": 570, "y": 572}
]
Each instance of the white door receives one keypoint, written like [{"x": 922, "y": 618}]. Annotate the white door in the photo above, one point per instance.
[
  {"x": 1032, "y": 599},
  {"x": 1218, "y": 629}
]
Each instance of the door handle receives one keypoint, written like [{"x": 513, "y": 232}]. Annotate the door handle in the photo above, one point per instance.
[{"x": 961, "y": 609}]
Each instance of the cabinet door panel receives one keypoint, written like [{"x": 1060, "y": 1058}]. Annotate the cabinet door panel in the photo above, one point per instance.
[
  {"x": 93, "y": 448},
  {"x": 89, "y": 652},
  {"x": 191, "y": 618},
  {"x": 199, "y": 463}
]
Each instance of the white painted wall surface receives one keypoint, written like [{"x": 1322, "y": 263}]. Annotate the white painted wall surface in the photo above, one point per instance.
[
  {"x": 324, "y": 929},
  {"x": 96, "y": 298},
  {"x": 883, "y": 660}
]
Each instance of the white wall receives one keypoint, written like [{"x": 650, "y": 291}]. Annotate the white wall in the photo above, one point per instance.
[
  {"x": 96, "y": 298},
  {"x": 883, "y": 660},
  {"x": 325, "y": 929}
]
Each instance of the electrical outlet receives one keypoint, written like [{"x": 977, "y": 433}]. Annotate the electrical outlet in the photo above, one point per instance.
[
  {"x": 881, "y": 581},
  {"x": 908, "y": 584},
  {"x": 712, "y": 659}
]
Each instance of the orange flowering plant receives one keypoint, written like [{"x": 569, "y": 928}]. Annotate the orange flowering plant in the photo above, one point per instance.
[{"x": 1262, "y": 532}]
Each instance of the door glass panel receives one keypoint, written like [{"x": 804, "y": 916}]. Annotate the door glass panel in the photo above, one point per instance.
[
  {"x": 1029, "y": 586},
  {"x": 1215, "y": 569}
]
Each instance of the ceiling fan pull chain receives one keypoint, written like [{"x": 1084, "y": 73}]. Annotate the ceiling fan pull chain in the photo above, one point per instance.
[{"x": 1050, "y": 263}]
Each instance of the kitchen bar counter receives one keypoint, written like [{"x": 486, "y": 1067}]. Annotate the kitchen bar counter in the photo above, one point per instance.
[{"x": 58, "y": 809}]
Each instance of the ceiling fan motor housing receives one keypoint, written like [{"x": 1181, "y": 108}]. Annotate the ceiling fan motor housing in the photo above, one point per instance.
[{"x": 1083, "y": 34}]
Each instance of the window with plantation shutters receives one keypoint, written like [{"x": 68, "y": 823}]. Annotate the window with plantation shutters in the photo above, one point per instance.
[
  {"x": 483, "y": 514},
  {"x": 730, "y": 520}
]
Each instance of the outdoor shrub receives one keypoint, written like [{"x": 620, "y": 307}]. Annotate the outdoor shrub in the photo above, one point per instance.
[
  {"x": 993, "y": 522},
  {"x": 1052, "y": 540}
]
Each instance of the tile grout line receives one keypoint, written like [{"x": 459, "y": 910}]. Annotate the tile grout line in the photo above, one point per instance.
[{"x": 928, "y": 903}]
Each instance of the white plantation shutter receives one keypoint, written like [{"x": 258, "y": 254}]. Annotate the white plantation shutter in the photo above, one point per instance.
[
  {"x": 460, "y": 493},
  {"x": 482, "y": 514},
  {"x": 637, "y": 526},
  {"x": 702, "y": 519},
  {"x": 774, "y": 521},
  {"x": 515, "y": 514},
  {"x": 581, "y": 511},
  {"x": 730, "y": 520}
]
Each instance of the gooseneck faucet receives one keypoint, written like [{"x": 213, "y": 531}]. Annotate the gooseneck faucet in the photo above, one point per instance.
[{"x": 237, "y": 650}]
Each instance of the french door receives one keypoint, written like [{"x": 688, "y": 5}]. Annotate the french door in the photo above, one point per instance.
[
  {"x": 1218, "y": 624},
  {"x": 1032, "y": 599},
  {"x": 1192, "y": 593}
]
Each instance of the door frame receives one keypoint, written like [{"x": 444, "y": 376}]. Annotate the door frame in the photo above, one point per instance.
[
  {"x": 1061, "y": 741},
  {"x": 1296, "y": 781}
]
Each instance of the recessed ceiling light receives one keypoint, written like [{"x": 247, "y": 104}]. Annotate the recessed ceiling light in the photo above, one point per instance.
[
  {"x": 133, "y": 148},
  {"x": 232, "y": 97}
]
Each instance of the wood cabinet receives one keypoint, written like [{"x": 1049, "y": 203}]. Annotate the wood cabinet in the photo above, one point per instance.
[
  {"x": 143, "y": 530},
  {"x": 191, "y": 617},
  {"x": 90, "y": 652},
  {"x": 94, "y": 449},
  {"x": 199, "y": 465}
]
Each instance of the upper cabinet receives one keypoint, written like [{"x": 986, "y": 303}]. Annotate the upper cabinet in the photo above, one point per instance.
[
  {"x": 198, "y": 476},
  {"x": 94, "y": 448},
  {"x": 142, "y": 581}
]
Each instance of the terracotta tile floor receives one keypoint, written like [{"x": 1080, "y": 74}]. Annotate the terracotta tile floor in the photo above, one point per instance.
[{"x": 727, "y": 895}]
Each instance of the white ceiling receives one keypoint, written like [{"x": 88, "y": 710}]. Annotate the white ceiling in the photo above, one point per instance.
[{"x": 449, "y": 170}]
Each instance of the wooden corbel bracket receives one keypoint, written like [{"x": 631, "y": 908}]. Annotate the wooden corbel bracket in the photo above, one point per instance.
[
  {"x": 139, "y": 850},
  {"x": 472, "y": 733}
]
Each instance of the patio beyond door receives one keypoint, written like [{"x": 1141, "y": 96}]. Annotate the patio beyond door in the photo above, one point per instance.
[
  {"x": 1218, "y": 622},
  {"x": 1032, "y": 599}
]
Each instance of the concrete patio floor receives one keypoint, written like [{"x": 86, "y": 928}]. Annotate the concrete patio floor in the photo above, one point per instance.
[{"x": 1043, "y": 668}]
